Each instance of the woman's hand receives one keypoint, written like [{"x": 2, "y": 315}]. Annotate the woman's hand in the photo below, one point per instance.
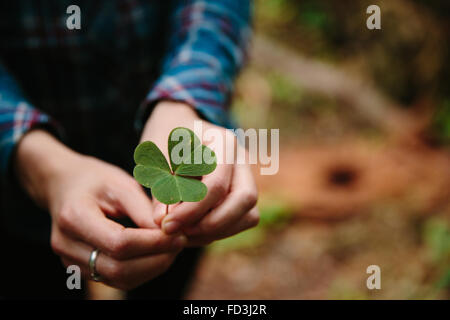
[
  {"x": 230, "y": 204},
  {"x": 81, "y": 193}
]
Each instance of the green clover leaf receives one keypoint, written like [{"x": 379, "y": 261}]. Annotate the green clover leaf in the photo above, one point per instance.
[{"x": 188, "y": 158}]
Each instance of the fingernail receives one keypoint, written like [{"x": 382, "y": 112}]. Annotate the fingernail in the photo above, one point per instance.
[
  {"x": 180, "y": 241},
  {"x": 170, "y": 226},
  {"x": 160, "y": 213}
]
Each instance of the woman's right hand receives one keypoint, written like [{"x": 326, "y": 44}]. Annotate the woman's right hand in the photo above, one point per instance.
[{"x": 80, "y": 193}]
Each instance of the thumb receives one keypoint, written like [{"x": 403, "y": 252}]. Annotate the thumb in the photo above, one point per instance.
[
  {"x": 159, "y": 211},
  {"x": 137, "y": 205}
]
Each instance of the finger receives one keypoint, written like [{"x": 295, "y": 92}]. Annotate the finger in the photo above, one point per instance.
[
  {"x": 129, "y": 274},
  {"x": 160, "y": 210},
  {"x": 186, "y": 213},
  {"x": 241, "y": 199},
  {"x": 250, "y": 220},
  {"x": 135, "y": 204},
  {"x": 72, "y": 252},
  {"x": 88, "y": 223},
  {"x": 125, "y": 274}
]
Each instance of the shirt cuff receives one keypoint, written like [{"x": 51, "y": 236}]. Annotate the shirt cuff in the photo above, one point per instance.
[
  {"x": 23, "y": 119},
  {"x": 198, "y": 88}
]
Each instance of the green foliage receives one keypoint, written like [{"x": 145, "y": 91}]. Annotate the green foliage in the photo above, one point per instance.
[
  {"x": 283, "y": 90},
  {"x": 188, "y": 158},
  {"x": 274, "y": 214},
  {"x": 437, "y": 239},
  {"x": 444, "y": 281},
  {"x": 313, "y": 15},
  {"x": 245, "y": 240},
  {"x": 441, "y": 122}
]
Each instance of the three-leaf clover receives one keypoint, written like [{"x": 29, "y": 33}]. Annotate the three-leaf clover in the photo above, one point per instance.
[{"x": 188, "y": 159}]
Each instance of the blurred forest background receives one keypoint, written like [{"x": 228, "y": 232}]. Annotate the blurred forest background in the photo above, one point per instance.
[
  {"x": 364, "y": 118},
  {"x": 364, "y": 179}
]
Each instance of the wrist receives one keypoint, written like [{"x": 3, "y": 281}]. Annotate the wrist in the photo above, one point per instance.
[
  {"x": 180, "y": 109},
  {"x": 167, "y": 115},
  {"x": 40, "y": 159}
]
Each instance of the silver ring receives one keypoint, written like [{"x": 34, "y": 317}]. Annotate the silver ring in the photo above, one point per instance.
[{"x": 92, "y": 262}]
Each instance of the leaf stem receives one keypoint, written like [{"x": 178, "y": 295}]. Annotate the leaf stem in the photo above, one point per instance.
[{"x": 167, "y": 210}]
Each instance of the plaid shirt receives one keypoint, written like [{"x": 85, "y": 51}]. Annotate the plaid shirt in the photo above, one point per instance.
[{"x": 128, "y": 53}]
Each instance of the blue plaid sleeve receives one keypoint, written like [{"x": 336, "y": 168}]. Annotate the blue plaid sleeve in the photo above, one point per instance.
[
  {"x": 207, "y": 48},
  {"x": 17, "y": 116}
]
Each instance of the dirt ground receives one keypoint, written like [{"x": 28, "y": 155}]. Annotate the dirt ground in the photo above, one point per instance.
[{"x": 351, "y": 207}]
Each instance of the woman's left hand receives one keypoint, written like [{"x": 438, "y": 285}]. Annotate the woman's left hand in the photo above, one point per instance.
[{"x": 230, "y": 204}]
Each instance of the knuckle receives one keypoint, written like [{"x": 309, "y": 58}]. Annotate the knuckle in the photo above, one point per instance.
[
  {"x": 115, "y": 271},
  {"x": 161, "y": 242},
  {"x": 249, "y": 198},
  {"x": 119, "y": 246},
  {"x": 55, "y": 243},
  {"x": 65, "y": 218},
  {"x": 253, "y": 219},
  {"x": 208, "y": 226},
  {"x": 219, "y": 187}
]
